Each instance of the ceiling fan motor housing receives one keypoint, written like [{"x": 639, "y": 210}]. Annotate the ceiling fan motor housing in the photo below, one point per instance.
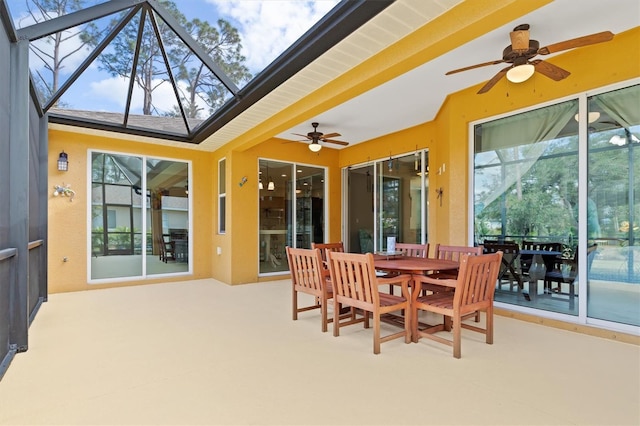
[{"x": 510, "y": 55}]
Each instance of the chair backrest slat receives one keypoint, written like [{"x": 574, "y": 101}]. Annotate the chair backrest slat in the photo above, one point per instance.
[
  {"x": 476, "y": 279},
  {"x": 454, "y": 252},
  {"x": 413, "y": 250},
  {"x": 327, "y": 247},
  {"x": 353, "y": 276},
  {"x": 306, "y": 268}
]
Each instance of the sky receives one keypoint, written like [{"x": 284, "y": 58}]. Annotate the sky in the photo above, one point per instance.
[{"x": 267, "y": 28}]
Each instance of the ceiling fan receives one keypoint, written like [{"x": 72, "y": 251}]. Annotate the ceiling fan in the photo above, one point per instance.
[
  {"x": 522, "y": 50},
  {"x": 316, "y": 137}
]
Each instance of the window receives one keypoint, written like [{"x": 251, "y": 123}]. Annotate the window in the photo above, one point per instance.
[
  {"x": 565, "y": 175},
  {"x": 222, "y": 196},
  {"x": 139, "y": 216}
]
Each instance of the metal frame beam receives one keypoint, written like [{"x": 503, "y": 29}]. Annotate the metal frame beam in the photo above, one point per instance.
[
  {"x": 19, "y": 193},
  {"x": 342, "y": 20},
  {"x": 61, "y": 23}
]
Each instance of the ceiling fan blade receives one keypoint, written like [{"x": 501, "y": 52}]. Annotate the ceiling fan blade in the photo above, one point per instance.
[
  {"x": 304, "y": 136},
  {"x": 554, "y": 72},
  {"x": 335, "y": 142},
  {"x": 331, "y": 135},
  {"x": 474, "y": 66},
  {"x": 494, "y": 80},
  {"x": 577, "y": 42}
]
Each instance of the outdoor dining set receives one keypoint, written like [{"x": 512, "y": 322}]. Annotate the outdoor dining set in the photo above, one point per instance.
[{"x": 458, "y": 283}]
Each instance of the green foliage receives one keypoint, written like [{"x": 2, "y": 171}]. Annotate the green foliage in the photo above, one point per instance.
[
  {"x": 52, "y": 54},
  {"x": 202, "y": 87}
]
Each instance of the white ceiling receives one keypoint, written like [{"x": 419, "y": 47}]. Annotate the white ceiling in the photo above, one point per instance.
[{"x": 376, "y": 113}]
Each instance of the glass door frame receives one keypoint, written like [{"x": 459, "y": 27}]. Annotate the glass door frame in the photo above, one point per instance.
[
  {"x": 376, "y": 165},
  {"x": 583, "y": 176},
  {"x": 291, "y": 236}
]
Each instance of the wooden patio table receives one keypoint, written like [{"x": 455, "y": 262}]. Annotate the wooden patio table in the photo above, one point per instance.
[{"x": 413, "y": 266}]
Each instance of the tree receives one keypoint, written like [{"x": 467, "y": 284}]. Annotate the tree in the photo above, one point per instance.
[
  {"x": 51, "y": 50},
  {"x": 223, "y": 44},
  {"x": 200, "y": 86},
  {"x": 151, "y": 68}
]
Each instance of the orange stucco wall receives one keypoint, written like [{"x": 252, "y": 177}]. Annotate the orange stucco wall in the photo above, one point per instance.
[
  {"x": 68, "y": 233},
  {"x": 446, "y": 138}
]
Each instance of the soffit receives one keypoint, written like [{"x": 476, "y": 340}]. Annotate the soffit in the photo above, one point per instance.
[{"x": 395, "y": 22}]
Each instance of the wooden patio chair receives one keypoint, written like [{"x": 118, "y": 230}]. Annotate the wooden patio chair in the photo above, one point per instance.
[
  {"x": 410, "y": 250},
  {"x": 413, "y": 250},
  {"x": 473, "y": 292},
  {"x": 450, "y": 253},
  {"x": 453, "y": 253},
  {"x": 327, "y": 247},
  {"x": 355, "y": 284},
  {"x": 307, "y": 276}
]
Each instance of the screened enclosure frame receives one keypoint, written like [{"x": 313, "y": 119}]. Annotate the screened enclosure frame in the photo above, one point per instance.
[{"x": 341, "y": 21}]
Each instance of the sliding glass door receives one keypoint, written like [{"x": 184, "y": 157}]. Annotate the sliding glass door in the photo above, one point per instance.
[
  {"x": 613, "y": 210},
  {"x": 131, "y": 194},
  {"x": 292, "y": 211},
  {"x": 387, "y": 198},
  {"x": 566, "y": 174}
]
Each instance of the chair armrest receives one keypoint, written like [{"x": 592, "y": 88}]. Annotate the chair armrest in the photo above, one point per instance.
[
  {"x": 402, "y": 280},
  {"x": 395, "y": 280},
  {"x": 445, "y": 282}
]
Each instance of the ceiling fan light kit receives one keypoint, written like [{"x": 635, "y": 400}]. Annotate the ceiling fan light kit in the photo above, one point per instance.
[
  {"x": 316, "y": 137},
  {"x": 315, "y": 146},
  {"x": 520, "y": 73},
  {"x": 522, "y": 50}
]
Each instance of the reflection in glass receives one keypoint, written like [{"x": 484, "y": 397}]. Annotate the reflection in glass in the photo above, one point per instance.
[
  {"x": 526, "y": 187},
  {"x": 613, "y": 216},
  {"x": 360, "y": 210},
  {"x": 292, "y": 211},
  {"x": 120, "y": 211},
  {"x": 400, "y": 203},
  {"x": 276, "y": 204},
  {"x": 400, "y": 188}
]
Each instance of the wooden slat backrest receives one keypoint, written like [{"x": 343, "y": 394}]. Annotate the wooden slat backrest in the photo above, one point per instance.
[
  {"x": 353, "y": 276},
  {"x": 476, "y": 281},
  {"x": 327, "y": 247},
  {"x": 455, "y": 252},
  {"x": 413, "y": 250},
  {"x": 305, "y": 266}
]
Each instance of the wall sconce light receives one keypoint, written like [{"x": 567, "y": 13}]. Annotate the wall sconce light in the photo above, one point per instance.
[
  {"x": 242, "y": 181},
  {"x": 63, "y": 162},
  {"x": 64, "y": 190}
]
